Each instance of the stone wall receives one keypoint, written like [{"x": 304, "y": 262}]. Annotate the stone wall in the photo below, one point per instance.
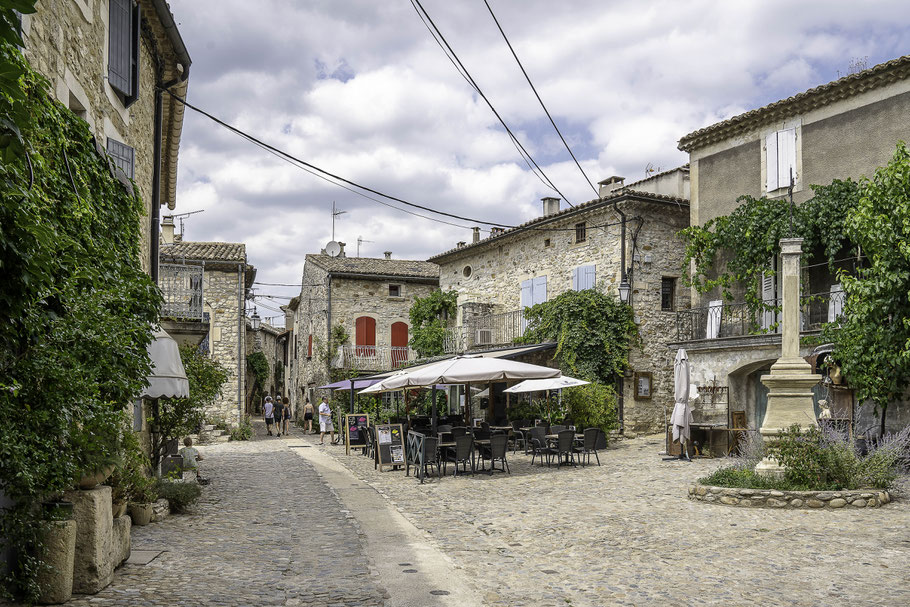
[
  {"x": 67, "y": 42},
  {"x": 498, "y": 268},
  {"x": 264, "y": 340},
  {"x": 310, "y": 319},
  {"x": 226, "y": 344},
  {"x": 759, "y": 498}
]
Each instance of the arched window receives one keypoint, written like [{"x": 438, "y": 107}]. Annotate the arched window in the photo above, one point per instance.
[
  {"x": 365, "y": 336},
  {"x": 399, "y": 343}
]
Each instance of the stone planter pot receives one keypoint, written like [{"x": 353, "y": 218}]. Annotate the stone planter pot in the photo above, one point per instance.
[
  {"x": 90, "y": 481},
  {"x": 56, "y": 583},
  {"x": 118, "y": 508},
  {"x": 60, "y": 510},
  {"x": 141, "y": 513}
]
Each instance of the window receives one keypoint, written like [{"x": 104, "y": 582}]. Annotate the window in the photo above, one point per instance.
[
  {"x": 394, "y": 290},
  {"x": 583, "y": 277},
  {"x": 546, "y": 242},
  {"x": 668, "y": 293},
  {"x": 309, "y": 346},
  {"x": 780, "y": 157},
  {"x": 467, "y": 271},
  {"x": 122, "y": 155},
  {"x": 123, "y": 49},
  {"x": 365, "y": 336},
  {"x": 580, "y": 232}
]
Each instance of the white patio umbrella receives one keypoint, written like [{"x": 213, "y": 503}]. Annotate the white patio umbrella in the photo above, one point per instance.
[
  {"x": 682, "y": 412},
  {"x": 554, "y": 383},
  {"x": 168, "y": 377},
  {"x": 464, "y": 370}
]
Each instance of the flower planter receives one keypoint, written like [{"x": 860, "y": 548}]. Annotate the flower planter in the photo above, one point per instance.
[
  {"x": 118, "y": 508},
  {"x": 58, "y": 510},
  {"x": 92, "y": 480},
  {"x": 141, "y": 513}
]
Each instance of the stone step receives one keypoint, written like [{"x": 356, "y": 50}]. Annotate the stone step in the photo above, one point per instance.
[
  {"x": 220, "y": 439},
  {"x": 208, "y": 427}
]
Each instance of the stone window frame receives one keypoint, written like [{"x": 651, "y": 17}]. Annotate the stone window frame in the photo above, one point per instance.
[
  {"x": 671, "y": 293},
  {"x": 467, "y": 271},
  {"x": 581, "y": 232},
  {"x": 396, "y": 287}
]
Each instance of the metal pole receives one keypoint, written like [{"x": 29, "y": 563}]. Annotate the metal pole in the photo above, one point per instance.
[
  {"x": 433, "y": 409},
  {"x": 352, "y": 396}
]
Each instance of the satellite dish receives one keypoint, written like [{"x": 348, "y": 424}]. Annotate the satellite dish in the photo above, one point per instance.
[{"x": 332, "y": 249}]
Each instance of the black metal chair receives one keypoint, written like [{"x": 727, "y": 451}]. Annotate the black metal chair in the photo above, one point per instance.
[
  {"x": 459, "y": 431},
  {"x": 537, "y": 441},
  {"x": 518, "y": 436},
  {"x": 495, "y": 451},
  {"x": 481, "y": 434},
  {"x": 564, "y": 450},
  {"x": 461, "y": 454},
  {"x": 556, "y": 429},
  {"x": 430, "y": 454},
  {"x": 444, "y": 428},
  {"x": 485, "y": 426},
  {"x": 589, "y": 446}
]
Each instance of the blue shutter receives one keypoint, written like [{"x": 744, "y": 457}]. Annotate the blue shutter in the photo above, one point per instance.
[
  {"x": 575, "y": 284},
  {"x": 120, "y": 45},
  {"x": 527, "y": 299},
  {"x": 590, "y": 278},
  {"x": 539, "y": 289}
]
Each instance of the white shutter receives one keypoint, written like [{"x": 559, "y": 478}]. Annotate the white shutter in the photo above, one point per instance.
[
  {"x": 786, "y": 157},
  {"x": 835, "y": 302},
  {"x": 576, "y": 286},
  {"x": 771, "y": 161},
  {"x": 527, "y": 299},
  {"x": 539, "y": 289},
  {"x": 769, "y": 317},
  {"x": 590, "y": 276},
  {"x": 715, "y": 311}
]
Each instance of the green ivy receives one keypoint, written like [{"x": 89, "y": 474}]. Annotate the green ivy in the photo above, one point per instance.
[
  {"x": 76, "y": 310},
  {"x": 427, "y": 322}
]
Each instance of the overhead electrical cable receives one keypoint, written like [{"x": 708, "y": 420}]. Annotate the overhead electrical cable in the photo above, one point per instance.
[
  {"x": 536, "y": 94},
  {"x": 467, "y": 75}
]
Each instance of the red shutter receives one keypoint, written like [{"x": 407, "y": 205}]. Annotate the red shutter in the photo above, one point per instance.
[
  {"x": 309, "y": 346},
  {"x": 365, "y": 336},
  {"x": 399, "y": 343}
]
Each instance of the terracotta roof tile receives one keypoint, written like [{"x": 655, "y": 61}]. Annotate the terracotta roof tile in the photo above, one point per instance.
[
  {"x": 207, "y": 251},
  {"x": 369, "y": 265}
]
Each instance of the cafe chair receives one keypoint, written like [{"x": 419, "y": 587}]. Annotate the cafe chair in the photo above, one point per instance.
[
  {"x": 564, "y": 450},
  {"x": 461, "y": 454},
  {"x": 538, "y": 444},
  {"x": 589, "y": 446},
  {"x": 430, "y": 455},
  {"x": 496, "y": 451}
]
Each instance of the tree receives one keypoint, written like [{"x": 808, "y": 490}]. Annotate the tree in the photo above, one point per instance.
[
  {"x": 428, "y": 315},
  {"x": 172, "y": 418},
  {"x": 872, "y": 339}
]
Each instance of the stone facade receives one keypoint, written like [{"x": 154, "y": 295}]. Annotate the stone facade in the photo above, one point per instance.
[
  {"x": 808, "y": 500},
  {"x": 337, "y": 291},
  {"x": 488, "y": 275},
  {"x": 264, "y": 340},
  {"x": 67, "y": 42}
]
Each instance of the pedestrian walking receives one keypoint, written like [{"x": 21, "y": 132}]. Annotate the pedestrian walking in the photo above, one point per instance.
[
  {"x": 286, "y": 419},
  {"x": 279, "y": 414},
  {"x": 325, "y": 422},
  {"x": 269, "y": 410},
  {"x": 308, "y": 410}
]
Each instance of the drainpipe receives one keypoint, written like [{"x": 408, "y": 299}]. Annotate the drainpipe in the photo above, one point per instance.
[
  {"x": 622, "y": 277},
  {"x": 241, "y": 342},
  {"x": 328, "y": 329}
]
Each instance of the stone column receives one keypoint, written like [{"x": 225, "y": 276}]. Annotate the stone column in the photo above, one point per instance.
[{"x": 791, "y": 379}]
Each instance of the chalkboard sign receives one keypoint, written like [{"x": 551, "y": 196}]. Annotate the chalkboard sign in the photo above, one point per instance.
[
  {"x": 356, "y": 426},
  {"x": 390, "y": 445}
]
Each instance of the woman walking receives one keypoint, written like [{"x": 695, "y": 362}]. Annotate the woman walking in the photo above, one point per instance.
[
  {"x": 308, "y": 416},
  {"x": 286, "y": 418}
]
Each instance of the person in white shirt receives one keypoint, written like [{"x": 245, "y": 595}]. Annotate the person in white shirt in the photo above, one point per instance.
[
  {"x": 269, "y": 410},
  {"x": 325, "y": 422}
]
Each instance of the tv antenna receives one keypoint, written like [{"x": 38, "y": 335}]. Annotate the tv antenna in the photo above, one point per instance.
[
  {"x": 651, "y": 169},
  {"x": 181, "y": 216},
  {"x": 335, "y": 213},
  {"x": 360, "y": 239}
]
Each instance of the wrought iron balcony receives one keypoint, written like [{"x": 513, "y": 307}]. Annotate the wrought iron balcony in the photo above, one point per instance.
[
  {"x": 374, "y": 358},
  {"x": 488, "y": 330},
  {"x": 181, "y": 286},
  {"x": 721, "y": 319}
]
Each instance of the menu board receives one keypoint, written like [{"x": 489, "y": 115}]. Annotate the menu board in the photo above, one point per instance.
[
  {"x": 356, "y": 426},
  {"x": 390, "y": 445}
]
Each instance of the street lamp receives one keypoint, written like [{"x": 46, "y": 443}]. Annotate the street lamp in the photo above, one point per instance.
[
  {"x": 255, "y": 320},
  {"x": 624, "y": 291}
]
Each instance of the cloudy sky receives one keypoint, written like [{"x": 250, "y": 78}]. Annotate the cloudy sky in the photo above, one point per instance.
[{"x": 361, "y": 89}]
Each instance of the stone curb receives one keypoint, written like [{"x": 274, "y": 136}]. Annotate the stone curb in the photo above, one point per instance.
[{"x": 809, "y": 500}]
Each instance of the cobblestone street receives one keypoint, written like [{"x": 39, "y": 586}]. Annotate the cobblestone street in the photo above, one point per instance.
[
  {"x": 625, "y": 534},
  {"x": 267, "y": 531}
]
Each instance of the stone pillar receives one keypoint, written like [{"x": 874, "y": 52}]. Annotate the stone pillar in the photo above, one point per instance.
[
  {"x": 56, "y": 582},
  {"x": 791, "y": 379},
  {"x": 93, "y": 569}
]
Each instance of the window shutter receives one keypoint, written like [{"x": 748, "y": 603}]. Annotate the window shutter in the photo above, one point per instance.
[
  {"x": 786, "y": 156},
  {"x": 527, "y": 300},
  {"x": 120, "y": 46},
  {"x": 768, "y": 298},
  {"x": 539, "y": 289},
  {"x": 576, "y": 286},
  {"x": 123, "y": 156},
  {"x": 590, "y": 276},
  {"x": 771, "y": 161}
]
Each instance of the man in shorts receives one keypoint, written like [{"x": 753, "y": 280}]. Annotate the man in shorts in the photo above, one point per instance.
[
  {"x": 269, "y": 410},
  {"x": 325, "y": 422},
  {"x": 279, "y": 414}
]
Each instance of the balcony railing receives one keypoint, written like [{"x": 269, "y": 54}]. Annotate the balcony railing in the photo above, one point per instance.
[
  {"x": 374, "y": 358},
  {"x": 486, "y": 331},
  {"x": 740, "y": 319},
  {"x": 181, "y": 286}
]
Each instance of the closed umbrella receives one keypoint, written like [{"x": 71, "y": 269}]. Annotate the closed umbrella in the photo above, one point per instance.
[
  {"x": 168, "y": 377},
  {"x": 681, "y": 419}
]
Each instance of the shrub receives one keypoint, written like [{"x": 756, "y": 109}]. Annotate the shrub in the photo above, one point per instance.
[
  {"x": 242, "y": 432},
  {"x": 592, "y": 406},
  {"x": 735, "y": 477},
  {"x": 529, "y": 409},
  {"x": 179, "y": 495}
]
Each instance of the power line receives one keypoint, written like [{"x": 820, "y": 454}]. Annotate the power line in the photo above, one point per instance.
[
  {"x": 546, "y": 111},
  {"x": 464, "y": 71}
]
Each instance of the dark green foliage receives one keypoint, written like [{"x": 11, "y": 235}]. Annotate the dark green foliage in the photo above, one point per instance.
[
  {"x": 731, "y": 476},
  {"x": 594, "y": 405},
  {"x": 258, "y": 371},
  {"x": 179, "y": 495},
  {"x": 528, "y": 409},
  {"x": 172, "y": 418},
  {"x": 14, "y": 109},
  {"x": 130, "y": 480},
  {"x": 242, "y": 432},
  {"x": 428, "y": 315},
  {"x": 76, "y": 310}
]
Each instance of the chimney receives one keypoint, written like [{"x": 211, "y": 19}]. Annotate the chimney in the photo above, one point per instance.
[
  {"x": 550, "y": 206},
  {"x": 610, "y": 185},
  {"x": 341, "y": 254},
  {"x": 496, "y": 231},
  {"x": 461, "y": 244},
  {"x": 167, "y": 230},
  {"x": 388, "y": 255},
  {"x": 476, "y": 235}
]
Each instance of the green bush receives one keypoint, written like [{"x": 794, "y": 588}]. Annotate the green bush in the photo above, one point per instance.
[
  {"x": 242, "y": 432},
  {"x": 592, "y": 406},
  {"x": 732, "y": 476},
  {"x": 529, "y": 409},
  {"x": 179, "y": 495}
]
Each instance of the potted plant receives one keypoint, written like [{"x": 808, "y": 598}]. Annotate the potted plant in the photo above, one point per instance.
[
  {"x": 97, "y": 443},
  {"x": 143, "y": 494}
]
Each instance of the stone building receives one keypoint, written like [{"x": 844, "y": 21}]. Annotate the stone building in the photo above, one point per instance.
[
  {"x": 369, "y": 299},
  {"x": 264, "y": 339},
  {"x": 205, "y": 286},
  {"x": 581, "y": 248},
  {"x": 104, "y": 59},
  {"x": 846, "y": 128}
]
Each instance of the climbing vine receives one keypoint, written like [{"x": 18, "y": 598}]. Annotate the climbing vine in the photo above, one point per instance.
[
  {"x": 428, "y": 316},
  {"x": 75, "y": 311}
]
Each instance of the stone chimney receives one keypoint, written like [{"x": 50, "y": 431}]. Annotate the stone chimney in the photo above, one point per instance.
[
  {"x": 461, "y": 244},
  {"x": 611, "y": 185},
  {"x": 341, "y": 254},
  {"x": 388, "y": 254},
  {"x": 167, "y": 229},
  {"x": 496, "y": 231},
  {"x": 476, "y": 235},
  {"x": 550, "y": 206}
]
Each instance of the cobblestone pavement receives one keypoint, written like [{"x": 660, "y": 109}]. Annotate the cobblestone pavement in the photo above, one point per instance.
[
  {"x": 626, "y": 534},
  {"x": 267, "y": 531}
]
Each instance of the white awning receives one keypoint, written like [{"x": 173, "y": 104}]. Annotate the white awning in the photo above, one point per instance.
[{"x": 168, "y": 377}]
